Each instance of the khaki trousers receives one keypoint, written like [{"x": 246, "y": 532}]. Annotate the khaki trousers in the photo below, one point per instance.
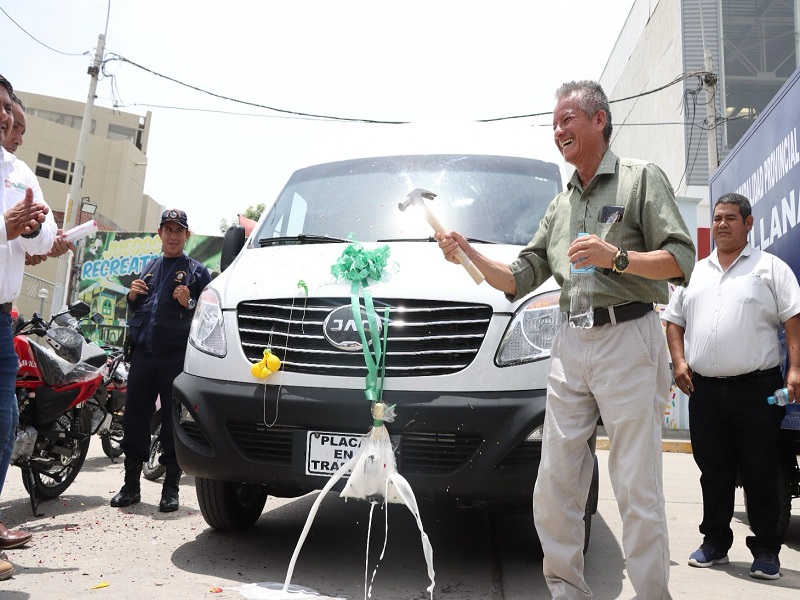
[{"x": 620, "y": 372}]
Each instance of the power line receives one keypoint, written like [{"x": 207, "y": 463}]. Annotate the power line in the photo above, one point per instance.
[
  {"x": 117, "y": 57},
  {"x": 214, "y": 111},
  {"x": 678, "y": 79},
  {"x": 37, "y": 40}
]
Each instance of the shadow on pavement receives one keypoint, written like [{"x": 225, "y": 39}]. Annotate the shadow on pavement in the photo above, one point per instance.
[{"x": 332, "y": 559}]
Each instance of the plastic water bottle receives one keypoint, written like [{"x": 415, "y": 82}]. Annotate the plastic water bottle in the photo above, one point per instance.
[
  {"x": 581, "y": 311},
  {"x": 780, "y": 397}
]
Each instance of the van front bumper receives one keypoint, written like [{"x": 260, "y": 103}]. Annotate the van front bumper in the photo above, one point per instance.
[{"x": 470, "y": 447}]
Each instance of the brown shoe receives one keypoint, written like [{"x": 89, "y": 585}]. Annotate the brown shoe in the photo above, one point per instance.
[
  {"x": 6, "y": 570},
  {"x": 13, "y": 539}
]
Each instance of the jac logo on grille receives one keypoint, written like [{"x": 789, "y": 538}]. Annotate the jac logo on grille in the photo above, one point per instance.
[{"x": 341, "y": 331}]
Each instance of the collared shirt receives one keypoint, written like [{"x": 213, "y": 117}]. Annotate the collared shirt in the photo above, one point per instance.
[
  {"x": 733, "y": 318},
  {"x": 16, "y": 177},
  {"x": 651, "y": 221}
]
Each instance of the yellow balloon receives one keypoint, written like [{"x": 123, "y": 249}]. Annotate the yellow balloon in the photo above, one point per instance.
[
  {"x": 265, "y": 372},
  {"x": 256, "y": 370},
  {"x": 273, "y": 362}
]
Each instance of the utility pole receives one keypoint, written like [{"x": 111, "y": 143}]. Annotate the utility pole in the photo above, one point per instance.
[
  {"x": 710, "y": 85},
  {"x": 64, "y": 272}
]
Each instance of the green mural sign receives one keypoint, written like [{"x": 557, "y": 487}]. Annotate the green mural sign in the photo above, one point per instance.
[{"x": 113, "y": 260}]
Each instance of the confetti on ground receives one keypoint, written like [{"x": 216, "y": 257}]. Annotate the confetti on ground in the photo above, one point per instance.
[
  {"x": 102, "y": 584},
  {"x": 215, "y": 590}
]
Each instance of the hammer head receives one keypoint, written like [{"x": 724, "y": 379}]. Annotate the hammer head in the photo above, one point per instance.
[{"x": 416, "y": 196}]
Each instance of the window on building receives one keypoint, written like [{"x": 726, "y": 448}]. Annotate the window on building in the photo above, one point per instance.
[
  {"x": 758, "y": 56},
  {"x": 56, "y": 169},
  {"x": 43, "y": 164},
  {"x": 120, "y": 132},
  {"x": 72, "y": 121},
  {"x": 62, "y": 170}
]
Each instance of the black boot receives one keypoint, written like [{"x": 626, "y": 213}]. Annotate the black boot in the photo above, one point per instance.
[
  {"x": 169, "y": 492},
  {"x": 130, "y": 492}
]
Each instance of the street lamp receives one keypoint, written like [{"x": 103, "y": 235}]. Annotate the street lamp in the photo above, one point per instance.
[
  {"x": 87, "y": 207},
  {"x": 42, "y": 297}
]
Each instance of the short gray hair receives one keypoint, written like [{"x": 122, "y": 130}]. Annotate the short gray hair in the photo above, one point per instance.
[{"x": 591, "y": 98}]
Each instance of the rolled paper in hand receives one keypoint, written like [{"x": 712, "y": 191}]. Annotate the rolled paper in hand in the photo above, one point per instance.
[{"x": 81, "y": 231}]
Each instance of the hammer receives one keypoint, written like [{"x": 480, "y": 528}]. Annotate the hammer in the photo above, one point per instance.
[{"x": 418, "y": 197}]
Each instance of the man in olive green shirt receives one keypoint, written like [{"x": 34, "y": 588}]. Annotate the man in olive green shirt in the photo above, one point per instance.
[{"x": 617, "y": 369}]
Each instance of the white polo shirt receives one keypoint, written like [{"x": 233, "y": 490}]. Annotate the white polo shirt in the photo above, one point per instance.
[
  {"x": 15, "y": 178},
  {"x": 733, "y": 319}
]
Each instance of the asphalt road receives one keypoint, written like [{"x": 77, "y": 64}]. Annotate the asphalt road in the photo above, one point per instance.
[{"x": 81, "y": 542}]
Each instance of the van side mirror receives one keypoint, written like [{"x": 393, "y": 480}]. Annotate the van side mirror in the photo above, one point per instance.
[{"x": 232, "y": 244}]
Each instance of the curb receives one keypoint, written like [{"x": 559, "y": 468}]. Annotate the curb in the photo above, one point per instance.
[{"x": 684, "y": 446}]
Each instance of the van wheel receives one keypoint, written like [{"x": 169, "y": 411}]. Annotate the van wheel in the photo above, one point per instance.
[
  {"x": 591, "y": 505},
  {"x": 591, "y": 509},
  {"x": 228, "y": 506}
]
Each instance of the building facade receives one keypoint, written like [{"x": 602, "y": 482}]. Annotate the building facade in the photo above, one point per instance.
[
  {"x": 112, "y": 183},
  {"x": 752, "y": 46}
]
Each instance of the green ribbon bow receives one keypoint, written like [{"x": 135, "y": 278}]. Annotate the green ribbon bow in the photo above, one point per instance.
[{"x": 359, "y": 265}]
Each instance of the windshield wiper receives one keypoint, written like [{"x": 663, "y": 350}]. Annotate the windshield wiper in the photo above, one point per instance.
[
  {"x": 430, "y": 238},
  {"x": 433, "y": 239},
  {"x": 303, "y": 238}
]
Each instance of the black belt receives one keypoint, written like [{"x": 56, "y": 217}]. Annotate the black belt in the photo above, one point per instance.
[
  {"x": 745, "y": 376},
  {"x": 5, "y": 308},
  {"x": 620, "y": 312}
]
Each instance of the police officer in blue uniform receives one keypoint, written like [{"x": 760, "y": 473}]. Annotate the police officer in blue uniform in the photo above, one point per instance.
[{"x": 161, "y": 305}]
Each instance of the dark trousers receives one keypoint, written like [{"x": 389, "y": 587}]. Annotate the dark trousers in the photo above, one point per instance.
[
  {"x": 734, "y": 430},
  {"x": 150, "y": 376}
]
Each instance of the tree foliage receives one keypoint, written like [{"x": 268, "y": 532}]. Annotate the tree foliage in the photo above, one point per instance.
[{"x": 251, "y": 212}]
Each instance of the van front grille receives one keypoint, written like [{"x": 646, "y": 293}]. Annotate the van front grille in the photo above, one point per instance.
[{"x": 424, "y": 337}]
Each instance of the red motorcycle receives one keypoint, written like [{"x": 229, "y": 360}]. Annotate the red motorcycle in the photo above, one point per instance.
[{"x": 53, "y": 385}]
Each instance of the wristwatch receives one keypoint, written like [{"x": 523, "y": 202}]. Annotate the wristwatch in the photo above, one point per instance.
[
  {"x": 620, "y": 261},
  {"x": 32, "y": 234},
  {"x": 191, "y": 304}
]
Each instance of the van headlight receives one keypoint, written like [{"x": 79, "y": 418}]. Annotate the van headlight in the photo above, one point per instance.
[
  {"x": 529, "y": 336},
  {"x": 208, "y": 330}
]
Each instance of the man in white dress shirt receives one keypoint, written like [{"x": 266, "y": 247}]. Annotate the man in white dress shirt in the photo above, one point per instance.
[{"x": 723, "y": 333}]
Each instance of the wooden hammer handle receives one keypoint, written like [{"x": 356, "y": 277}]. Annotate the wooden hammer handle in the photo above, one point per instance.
[{"x": 473, "y": 271}]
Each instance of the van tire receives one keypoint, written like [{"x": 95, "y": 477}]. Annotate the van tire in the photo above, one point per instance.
[
  {"x": 591, "y": 509},
  {"x": 591, "y": 505},
  {"x": 229, "y": 506}
]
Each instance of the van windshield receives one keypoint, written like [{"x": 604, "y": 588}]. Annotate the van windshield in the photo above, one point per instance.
[{"x": 497, "y": 199}]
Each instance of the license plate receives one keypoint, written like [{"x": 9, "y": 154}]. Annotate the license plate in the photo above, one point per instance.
[{"x": 327, "y": 451}]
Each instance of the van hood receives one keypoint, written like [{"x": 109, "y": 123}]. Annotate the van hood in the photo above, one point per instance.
[{"x": 414, "y": 270}]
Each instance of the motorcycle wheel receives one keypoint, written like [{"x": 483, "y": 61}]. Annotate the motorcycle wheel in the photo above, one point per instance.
[
  {"x": 111, "y": 447},
  {"x": 152, "y": 469},
  {"x": 52, "y": 483},
  {"x": 111, "y": 442}
]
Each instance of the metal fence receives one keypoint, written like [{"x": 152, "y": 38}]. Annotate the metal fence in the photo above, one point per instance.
[{"x": 36, "y": 295}]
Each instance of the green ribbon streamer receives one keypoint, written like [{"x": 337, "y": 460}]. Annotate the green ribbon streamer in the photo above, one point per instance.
[{"x": 359, "y": 266}]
